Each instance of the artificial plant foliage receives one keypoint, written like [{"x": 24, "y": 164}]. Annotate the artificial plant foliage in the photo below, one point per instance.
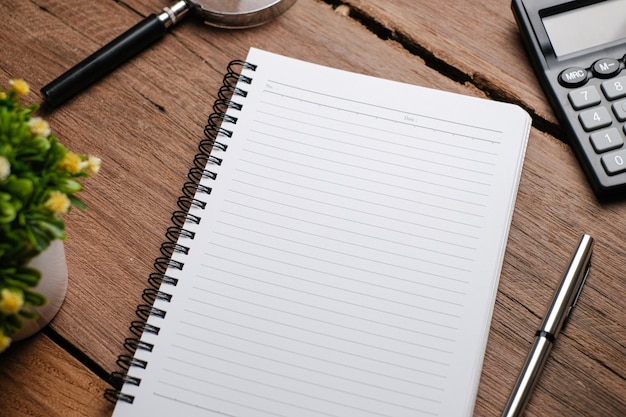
[{"x": 39, "y": 178}]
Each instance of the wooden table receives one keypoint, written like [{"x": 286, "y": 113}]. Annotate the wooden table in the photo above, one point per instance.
[{"x": 146, "y": 119}]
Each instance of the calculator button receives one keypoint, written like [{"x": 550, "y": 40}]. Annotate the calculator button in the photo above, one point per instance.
[
  {"x": 584, "y": 97},
  {"x": 595, "y": 118},
  {"x": 619, "y": 109},
  {"x": 606, "y": 67},
  {"x": 614, "y": 162},
  {"x": 615, "y": 88},
  {"x": 606, "y": 140},
  {"x": 573, "y": 77}
]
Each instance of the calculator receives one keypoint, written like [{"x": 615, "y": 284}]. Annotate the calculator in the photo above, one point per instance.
[{"x": 578, "y": 51}]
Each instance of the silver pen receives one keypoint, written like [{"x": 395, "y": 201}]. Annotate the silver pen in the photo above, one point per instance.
[{"x": 564, "y": 300}]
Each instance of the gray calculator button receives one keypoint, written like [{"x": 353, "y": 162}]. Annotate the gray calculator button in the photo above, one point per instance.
[
  {"x": 595, "y": 118},
  {"x": 614, "y": 162},
  {"x": 606, "y": 140},
  {"x": 614, "y": 88},
  {"x": 584, "y": 97},
  {"x": 619, "y": 109}
]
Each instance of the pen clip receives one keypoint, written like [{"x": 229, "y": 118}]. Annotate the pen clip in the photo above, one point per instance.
[
  {"x": 588, "y": 267},
  {"x": 569, "y": 289},
  {"x": 580, "y": 289}
]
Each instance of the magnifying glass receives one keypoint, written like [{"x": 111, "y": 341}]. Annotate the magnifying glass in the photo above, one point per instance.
[{"x": 218, "y": 13}]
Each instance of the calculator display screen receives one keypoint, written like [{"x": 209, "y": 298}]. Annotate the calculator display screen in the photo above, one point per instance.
[{"x": 586, "y": 27}]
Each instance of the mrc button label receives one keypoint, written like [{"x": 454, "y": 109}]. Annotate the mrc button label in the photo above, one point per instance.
[{"x": 573, "y": 77}]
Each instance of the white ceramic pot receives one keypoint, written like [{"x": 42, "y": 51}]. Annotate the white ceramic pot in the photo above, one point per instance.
[{"x": 53, "y": 285}]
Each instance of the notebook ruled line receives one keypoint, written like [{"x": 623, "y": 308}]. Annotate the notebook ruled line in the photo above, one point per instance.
[
  {"x": 416, "y": 383},
  {"x": 375, "y": 107},
  {"x": 387, "y": 184},
  {"x": 377, "y": 287},
  {"x": 345, "y": 303},
  {"x": 454, "y": 290},
  {"x": 187, "y": 389},
  {"x": 416, "y": 213},
  {"x": 379, "y": 348},
  {"x": 409, "y": 145},
  {"x": 378, "y": 215},
  {"x": 298, "y": 305},
  {"x": 378, "y": 251},
  {"x": 352, "y": 243},
  {"x": 190, "y": 404},
  {"x": 337, "y": 312},
  {"x": 414, "y": 159},
  {"x": 413, "y": 395},
  {"x": 346, "y": 265},
  {"x": 320, "y": 190},
  {"x": 297, "y": 406},
  {"x": 232, "y": 375}
]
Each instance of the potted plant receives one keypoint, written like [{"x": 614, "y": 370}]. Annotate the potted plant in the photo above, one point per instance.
[{"x": 39, "y": 179}]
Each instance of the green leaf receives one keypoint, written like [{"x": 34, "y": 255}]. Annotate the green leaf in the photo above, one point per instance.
[
  {"x": 7, "y": 212},
  {"x": 68, "y": 185},
  {"x": 32, "y": 298},
  {"x": 21, "y": 188},
  {"x": 22, "y": 276},
  {"x": 28, "y": 314},
  {"x": 10, "y": 324},
  {"x": 78, "y": 203}
]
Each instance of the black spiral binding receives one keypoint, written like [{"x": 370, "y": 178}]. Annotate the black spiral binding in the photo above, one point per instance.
[{"x": 226, "y": 96}]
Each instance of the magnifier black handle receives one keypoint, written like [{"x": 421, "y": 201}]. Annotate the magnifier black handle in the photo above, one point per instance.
[{"x": 105, "y": 60}]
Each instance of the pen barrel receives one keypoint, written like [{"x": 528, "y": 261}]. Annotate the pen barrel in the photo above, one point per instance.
[
  {"x": 103, "y": 61},
  {"x": 527, "y": 380}
]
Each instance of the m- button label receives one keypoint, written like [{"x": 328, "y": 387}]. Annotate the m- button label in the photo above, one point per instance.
[
  {"x": 573, "y": 77},
  {"x": 606, "y": 67}
]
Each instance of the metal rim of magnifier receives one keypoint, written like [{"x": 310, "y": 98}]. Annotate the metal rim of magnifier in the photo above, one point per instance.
[{"x": 240, "y": 19}]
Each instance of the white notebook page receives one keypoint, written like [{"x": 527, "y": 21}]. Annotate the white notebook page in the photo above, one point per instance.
[{"x": 348, "y": 258}]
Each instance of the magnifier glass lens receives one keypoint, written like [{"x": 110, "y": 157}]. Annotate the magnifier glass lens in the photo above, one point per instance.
[{"x": 233, "y": 6}]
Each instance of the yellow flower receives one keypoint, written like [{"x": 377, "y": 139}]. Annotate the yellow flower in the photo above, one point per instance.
[
  {"x": 73, "y": 163},
  {"x": 39, "y": 127},
  {"x": 58, "y": 202},
  {"x": 5, "y": 341},
  {"x": 11, "y": 301},
  {"x": 5, "y": 168},
  {"x": 93, "y": 164},
  {"x": 3, "y": 95},
  {"x": 20, "y": 86}
]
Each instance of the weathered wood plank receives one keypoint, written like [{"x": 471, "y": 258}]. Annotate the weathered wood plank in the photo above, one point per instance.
[{"x": 39, "y": 379}]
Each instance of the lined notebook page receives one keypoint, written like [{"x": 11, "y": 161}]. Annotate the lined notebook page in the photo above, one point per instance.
[{"x": 348, "y": 258}]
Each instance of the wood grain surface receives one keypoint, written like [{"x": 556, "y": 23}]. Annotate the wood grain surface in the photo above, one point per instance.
[{"x": 146, "y": 118}]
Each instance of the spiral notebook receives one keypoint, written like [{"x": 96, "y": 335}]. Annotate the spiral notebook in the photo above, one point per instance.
[{"x": 337, "y": 252}]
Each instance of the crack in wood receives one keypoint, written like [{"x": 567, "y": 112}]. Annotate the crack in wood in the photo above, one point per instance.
[{"x": 440, "y": 65}]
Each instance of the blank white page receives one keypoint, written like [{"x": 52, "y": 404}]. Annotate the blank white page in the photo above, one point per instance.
[{"x": 348, "y": 258}]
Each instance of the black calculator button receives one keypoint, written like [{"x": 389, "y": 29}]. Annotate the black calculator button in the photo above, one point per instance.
[
  {"x": 615, "y": 88},
  {"x": 606, "y": 67},
  {"x": 584, "y": 97},
  {"x": 595, "y": 118},
  {"x": 573, "y": 77},
  {"x": 606, "y": 140},
  {"x": 614, "y": 162},
  {"x": 619, "y": 109}
]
